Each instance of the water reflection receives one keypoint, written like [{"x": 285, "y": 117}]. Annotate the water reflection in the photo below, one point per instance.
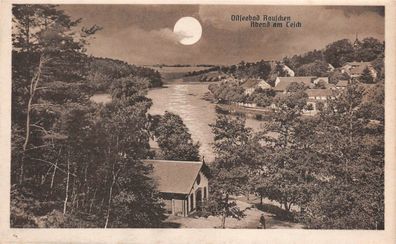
[{"x": 186, "y": 101}]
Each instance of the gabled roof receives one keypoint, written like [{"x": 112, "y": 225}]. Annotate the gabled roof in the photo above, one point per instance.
[
  {"x": 250, "y": 83},
  {"x": 174, "y": 176},
  {"x": 284, "y": 82},
  {"x": 319, "y": 92},
  {"x": 324, "y": 79},
  {"x": 253, "y": 83},
  {"x": 342, "y": 83}
]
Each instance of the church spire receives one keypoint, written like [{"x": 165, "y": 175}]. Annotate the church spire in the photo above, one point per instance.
[{"x": 357, "y": 43}]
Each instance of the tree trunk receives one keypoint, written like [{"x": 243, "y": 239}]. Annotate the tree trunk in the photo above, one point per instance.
[
  {"x": 92, "y": 201},
  {"x": 56, "y": 166},
  {"x": 261, "y": 199},
  {"x": 223, "y": 220},
  {"x": 67, "y": 186},
  {"x": 33, "y": 86},
  {"x": 110, "y": 198}
]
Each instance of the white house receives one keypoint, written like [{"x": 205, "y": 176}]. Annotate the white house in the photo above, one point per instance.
[
  {"x": 355, "y": 69},
  {"x": 288, "y": 70},
  {"x": 316, "y": 96},
  {"x": 250, "y": 85},
  {"x": 281, "y": 83}
]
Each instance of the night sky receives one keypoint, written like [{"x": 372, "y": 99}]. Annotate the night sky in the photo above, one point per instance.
[{"x": 143, "y": 34}]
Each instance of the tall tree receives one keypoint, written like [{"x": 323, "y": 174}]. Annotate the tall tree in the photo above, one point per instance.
[
  {"x": 235, "y": 148},
  {"x": 351, "y": 168},
  {"x": 174, "y": 139}
]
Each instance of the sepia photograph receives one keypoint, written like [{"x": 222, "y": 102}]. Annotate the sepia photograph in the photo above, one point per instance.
[{"x": 210, "y": 116}]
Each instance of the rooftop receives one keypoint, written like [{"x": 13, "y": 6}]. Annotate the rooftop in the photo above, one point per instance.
[
  {"x": 342, "y": 83},
  {"x": 174, "y": 176},
  {"x": 284, "y": 82},
  {"x": 319, "y": 92}
]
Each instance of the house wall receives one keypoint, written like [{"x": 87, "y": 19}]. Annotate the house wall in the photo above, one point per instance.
[
  {"x": 180, "y": 204},
  {"x": 178, "y": 207},
  {"x": 203, "y": 185}
]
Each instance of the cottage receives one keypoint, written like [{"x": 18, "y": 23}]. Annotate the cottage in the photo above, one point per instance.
[
  {"x": 281, "y": 83},
  {"x": 183, "y": 185},
  {"x": 355, "y": 69},
  {"x": 316, "y": 96},
  {"x": 250, "y": 85},
  {"x": 330, "y": 68},
  {"x": 288, "y": 70},
  {"x": 318, "y": 80},
  {"x": 341, "y": 84}
]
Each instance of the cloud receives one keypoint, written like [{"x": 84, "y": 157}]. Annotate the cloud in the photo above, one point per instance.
[
  {"x": 167, "y": 34},
  {"x": 144, "y": 34}
]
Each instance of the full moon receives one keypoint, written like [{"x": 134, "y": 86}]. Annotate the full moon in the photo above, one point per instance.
[{"x": 188, "y": 29}]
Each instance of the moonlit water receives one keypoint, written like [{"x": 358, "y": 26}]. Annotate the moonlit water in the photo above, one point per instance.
[{"x": 186, "y": 101}]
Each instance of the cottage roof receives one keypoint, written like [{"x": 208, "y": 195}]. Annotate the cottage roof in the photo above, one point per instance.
[
  {"x": 174, "y": 176},
  {"x": 284, "y": 82},
  {"x": 323, "y": 79},
  {"x": 252, "y": 83},
  {"x": 342, "y": 83},
  {"x": 319, "y": 92}
]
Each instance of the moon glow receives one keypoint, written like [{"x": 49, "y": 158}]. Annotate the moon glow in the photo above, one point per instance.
[{"x": 188, "y": 29}]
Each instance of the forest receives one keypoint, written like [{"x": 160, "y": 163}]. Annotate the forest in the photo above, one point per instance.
[{"x": 73, "y": 165}]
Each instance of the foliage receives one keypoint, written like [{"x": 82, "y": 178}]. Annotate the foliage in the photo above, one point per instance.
[
  {"x": 260, "y": 69},
  {"x": 350, "y": 175},
  {"x": 316, "y": 68},
  {"x": 261, "y": 97},
  {"x": 235, "y": 147},
  {"x": 337, "y": 75},
  {"x": 227, "y": 92},
  {"x": 74, "y": 163},
  {"x": 366, "y": 76},
  {"x": 174, "y": 139}
]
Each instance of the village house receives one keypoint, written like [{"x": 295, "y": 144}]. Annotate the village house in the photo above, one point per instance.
[
  {"x": 250, "y": 85},
  {"x": 321, "y": 79},
  {"x": 281, "y": 83},
  {"x": 316, "y": 96},
  {"x": 342, "y": 84},
  {"x": 355, "y": 69},
  {"x": 330, "y": 68},
  {"x": 288, "y": 70},
  {"x": 183, "y": 185}
]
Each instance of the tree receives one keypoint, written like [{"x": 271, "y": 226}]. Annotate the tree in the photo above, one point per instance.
[
  {"x": 350, "y": 171},
  {"x": 296, "y": 86},
  {"x": 285, "y": 175},
  {"x": 316, "y": 68},
  {"x": 75, "y": 163},
  {"x": 366, "y": 76},
  {"x": 339, "y": 52},
  {"x": 235, "y": 149},
  {"x": 337, "y": 75},
  {"x": 43, "y": 41},
  {"x": 174, "y": 138},
  {"x": 369, "y": 50}
]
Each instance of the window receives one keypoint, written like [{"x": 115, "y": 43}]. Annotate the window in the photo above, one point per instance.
[{"x": 204, "y": 192}]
